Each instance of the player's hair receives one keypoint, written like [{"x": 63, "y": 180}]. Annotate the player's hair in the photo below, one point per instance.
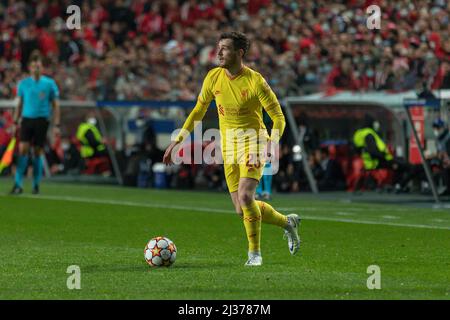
[
  {"x": 35, "y": 56},
  {"x": 240, "y": 40}
]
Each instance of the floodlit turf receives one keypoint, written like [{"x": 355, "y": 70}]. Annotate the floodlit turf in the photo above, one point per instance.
[{"x": 104, "y": 229}]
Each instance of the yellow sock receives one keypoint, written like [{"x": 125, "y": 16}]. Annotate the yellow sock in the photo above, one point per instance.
[
  {"x": 271, "y": 216},
  {"x": 252, "y": 223}
]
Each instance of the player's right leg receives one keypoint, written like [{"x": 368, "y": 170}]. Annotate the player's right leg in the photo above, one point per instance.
[
  {"x": 232, "y": 177},
  {"x": 38, "y": 153},
  {"x": 25, "y": 134},
  {"x": 252, "y": 219},
  {"x": 40, "y": 137},
  {"x": 21, "y": 166}
]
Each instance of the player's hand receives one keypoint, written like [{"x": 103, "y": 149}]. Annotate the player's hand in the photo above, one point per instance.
[
  {"x": 268, "y": 152},
  {"x": 446, "y": 162},
  {"x": 14, "y": 129},
  {"x": 167, "y": 159},
  {"x": 56, "y": 131}
]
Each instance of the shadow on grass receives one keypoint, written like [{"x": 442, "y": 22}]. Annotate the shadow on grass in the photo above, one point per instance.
[{"x": 143, "y": 267}]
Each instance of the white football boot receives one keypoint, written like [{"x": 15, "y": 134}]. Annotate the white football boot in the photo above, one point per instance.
[
  {"x": 254, "y": 259},
  {"x": 291, "y": 233}
]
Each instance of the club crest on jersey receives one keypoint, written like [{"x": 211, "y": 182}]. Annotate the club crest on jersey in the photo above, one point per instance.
[{"x": 244, "y": 94}]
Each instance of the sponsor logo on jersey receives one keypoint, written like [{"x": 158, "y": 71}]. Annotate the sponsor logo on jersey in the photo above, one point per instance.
[{"x": 221, "y": 111}]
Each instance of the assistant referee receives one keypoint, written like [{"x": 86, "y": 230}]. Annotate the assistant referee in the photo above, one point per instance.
[{"x": 37, "y": 96}]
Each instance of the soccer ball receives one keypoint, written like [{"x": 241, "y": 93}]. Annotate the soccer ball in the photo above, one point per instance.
[{"x": 160, "y": 251}]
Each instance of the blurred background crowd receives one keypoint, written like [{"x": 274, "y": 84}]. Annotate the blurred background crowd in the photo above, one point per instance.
[
  {"x": 162, "y": 49},
  {"x": 158, "y": 49}
]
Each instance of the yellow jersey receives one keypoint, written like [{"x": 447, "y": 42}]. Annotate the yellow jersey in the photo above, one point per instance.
[{"x": 239, "y": 102}]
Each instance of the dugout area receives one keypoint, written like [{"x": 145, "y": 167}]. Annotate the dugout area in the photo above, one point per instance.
[{"x": 332, "y": 119}]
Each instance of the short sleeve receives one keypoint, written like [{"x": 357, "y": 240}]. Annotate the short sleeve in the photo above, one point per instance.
[
  {"x": 20, "y": 89},
  {"x": 54, "y": 91}
]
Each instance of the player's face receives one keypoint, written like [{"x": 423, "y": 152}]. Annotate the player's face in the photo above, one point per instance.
[
  {"x": 226, "y": 53},
  {"x": 36, "y": 67}
]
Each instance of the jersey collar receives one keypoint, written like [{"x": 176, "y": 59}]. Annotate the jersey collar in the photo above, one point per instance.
[{"x": 237, "y": 74}]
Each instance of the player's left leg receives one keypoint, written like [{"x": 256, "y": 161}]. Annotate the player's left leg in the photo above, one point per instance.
[
  {"x": 289, "y": 223},
  {"x": 40, "y": 137},
  {"x": 37, "y": 168}
]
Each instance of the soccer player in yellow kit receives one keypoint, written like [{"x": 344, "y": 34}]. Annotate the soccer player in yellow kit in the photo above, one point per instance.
[{"x": 240, "y": 95}]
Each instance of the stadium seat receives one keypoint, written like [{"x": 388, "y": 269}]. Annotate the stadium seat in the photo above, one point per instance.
[{"x": 97, "y": 165}]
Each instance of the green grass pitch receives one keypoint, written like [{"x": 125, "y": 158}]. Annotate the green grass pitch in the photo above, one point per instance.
[{"x": 103, "y": 230}]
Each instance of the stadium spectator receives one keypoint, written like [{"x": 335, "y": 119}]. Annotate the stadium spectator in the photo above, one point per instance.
[
  {"x": 132, "y": 50},
  {"x": 342, "y": 77},
  {"x": 327, "y": 171},
  {"x": 93, "y": 150},
  {"x": 72, "y": 162},
  {"x": 442, "y": 134},
  {"x": 445, "y": 75},
  {"x": 152, "y": 47},
  {"x": 5, "y": 137},
  {"x": 215, "y": 177},
  {"x": 376, "y": 155}
]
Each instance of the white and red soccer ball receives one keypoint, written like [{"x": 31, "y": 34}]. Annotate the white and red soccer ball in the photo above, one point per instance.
[{"x": 160, "y": 251}]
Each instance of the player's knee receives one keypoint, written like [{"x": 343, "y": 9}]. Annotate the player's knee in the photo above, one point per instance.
[
  {"x": 37, "y": 151},
  {"x": 238, "y": 209},
  {"x": 245, "y": 199},
  {"x": 23, "y": 149}
]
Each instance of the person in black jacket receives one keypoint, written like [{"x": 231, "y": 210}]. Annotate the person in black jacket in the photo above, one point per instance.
[
  {"x": 329, "y": 173},
  {"x": 442, "y": 135}
]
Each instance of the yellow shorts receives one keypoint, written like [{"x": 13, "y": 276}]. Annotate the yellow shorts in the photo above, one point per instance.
[{"x": 248, "y": 169}]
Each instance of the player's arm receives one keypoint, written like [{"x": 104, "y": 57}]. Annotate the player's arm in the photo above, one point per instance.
[
  {"x": 204, "y": 99},
  {"x": 90, "y": 137},
  {"x": 18, "y": 111},
  {"x": 19, "y": 107},
  {"x": 54, "y": 97},
  {"x": 56, "y": 113},
  {"x": 270, "y": 103},
  {"x": 372, "y": 149},
  {"x": 196, "y": 114}
]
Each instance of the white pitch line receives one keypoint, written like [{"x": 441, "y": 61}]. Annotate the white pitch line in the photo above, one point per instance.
[
  {"x": 184, "y": 208},
  {"x": 340, "y": 213},
  {"x": 123, "y": 203},
  {"x": 390, "y": 217},
  {"x": 424, "y": 226}
]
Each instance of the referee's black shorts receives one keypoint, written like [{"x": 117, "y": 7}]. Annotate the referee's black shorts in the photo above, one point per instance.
[{"x": 34, "y": 131}]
